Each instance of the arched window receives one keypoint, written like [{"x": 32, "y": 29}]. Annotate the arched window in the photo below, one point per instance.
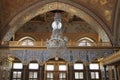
[
  {"x": 28, "y": 72},
  {"x": 17, "y": 70},
  {"x": 33, "y": 71},
  {"x": 26, "y": 41},
  {"x": 79, "y": 71},
  {"x": 86, "y": 42},
  {"x": 94, "y": 71},
  {"x": 56, "y": 70}
]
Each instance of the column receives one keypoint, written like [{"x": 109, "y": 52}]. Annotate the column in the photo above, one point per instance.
[
  {"x": 25, "y": 72},
  {"x": 70, "y": 72},
  {"x": 41, "y": 72},
  {"x": 5, "y": 70},
  {"x": 105, "y": 71},
  {"x": 116, "y": 72},
  {"x": 87, "y": 72},
  {"x": 8, "y": 73},
  {"x": 0, "y": 72}
]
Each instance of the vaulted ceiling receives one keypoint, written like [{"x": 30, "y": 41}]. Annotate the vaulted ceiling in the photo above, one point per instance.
[
  {"x": 101, "y": 15},
  {"x": 72, "y": 26}
]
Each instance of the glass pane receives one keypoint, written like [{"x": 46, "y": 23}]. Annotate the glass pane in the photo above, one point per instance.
[
  {"x": 49, "y": 75},
  {"x": 17, "y": 65},
  {"x": 35, "y": 74},
  {"x": 78, "y": 66},
  {"x": 62, "y": 75},
  {"x": 76, "y": 75},
  {"x": 33, "y": 66},
  {"x": 19, "y": 75},
  {"x": 14, "y": 74},
  {"x": 84, "y": 43},
  {"x": 81, "y": 75},
  {"x": 30, "y": 74},
  {"x": 92, "y": 75},
  {"x": 94, "y": 66},
  {"x": 50, "y": 67},
  {"x": 89, "y": 44},
  {"x": 27, "y": 42},
  {"x": 30, "y": 43},
  {"x": 24, "y": 43},
  {"x": 62, "y": 67},
  {"x": 97, "y": 75}
]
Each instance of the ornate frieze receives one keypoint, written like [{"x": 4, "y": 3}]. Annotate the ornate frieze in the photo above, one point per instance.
[{"x": 41, "y": 56}]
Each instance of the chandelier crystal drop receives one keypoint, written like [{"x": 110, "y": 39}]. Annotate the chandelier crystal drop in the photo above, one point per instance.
[{"x": 57, "y": 41}]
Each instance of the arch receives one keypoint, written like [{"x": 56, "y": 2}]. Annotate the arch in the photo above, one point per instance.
[
  {"x": 26, "y": 41},
  {"x": 55, "y": 59},
  {"x": 67, "y": 6},
  {"x": 86, "y": 41},
  {"x": 26, "y": 37},
  {"x": 15, "y": 57}
]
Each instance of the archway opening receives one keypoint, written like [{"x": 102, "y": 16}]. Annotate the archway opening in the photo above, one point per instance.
[
  {"x": 36, "y": 9},
  {"x": 56, "y": 69}
]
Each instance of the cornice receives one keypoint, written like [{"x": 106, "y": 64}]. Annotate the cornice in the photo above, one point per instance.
[{"x": 111, "y": 58}]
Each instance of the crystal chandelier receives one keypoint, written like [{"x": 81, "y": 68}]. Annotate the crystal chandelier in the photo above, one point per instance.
[{"x": 57, "y": 41}]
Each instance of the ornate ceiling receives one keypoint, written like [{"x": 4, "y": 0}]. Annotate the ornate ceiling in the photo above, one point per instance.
[
  {"x": 102, "y": 8},
  {"x": 72, "y": 25},
  {"x": 103, "y": 11}
]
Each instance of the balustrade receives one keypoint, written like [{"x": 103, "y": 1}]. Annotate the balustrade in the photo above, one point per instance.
[{"x": 43, "y": 44}]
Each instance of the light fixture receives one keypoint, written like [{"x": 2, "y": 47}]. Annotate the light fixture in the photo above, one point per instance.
[
  {"x": 57, "y": 22},
  {"x": 57, "y": 41}
]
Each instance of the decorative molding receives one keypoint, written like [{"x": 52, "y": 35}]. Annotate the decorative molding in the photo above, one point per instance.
[
  {"x": 41, "y": 56},
  {"x": 78, "y": 10},
  {"x": 111, "y": 58}
]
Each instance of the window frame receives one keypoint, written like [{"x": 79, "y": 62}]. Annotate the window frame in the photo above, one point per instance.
[
  {"x": 26, "y": 40},
  {"x": 94, "y": 71},
  {"x": 79, "y": 71},
  {"x": 16, "y": 70},
  {"x": 88, "y": 42},
  {"x": 33, "y": 70}
]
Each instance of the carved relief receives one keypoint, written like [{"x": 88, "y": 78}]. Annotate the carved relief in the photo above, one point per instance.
[
  {"x": 102, "y": 8},
  {"x": 108, "y": 15},
  {"x": 103, "y": 2}
]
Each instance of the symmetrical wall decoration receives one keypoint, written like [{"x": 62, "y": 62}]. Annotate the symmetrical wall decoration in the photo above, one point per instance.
[
  {"x": 66, "y": 6},
  {"x": 41, "y": 56}
]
